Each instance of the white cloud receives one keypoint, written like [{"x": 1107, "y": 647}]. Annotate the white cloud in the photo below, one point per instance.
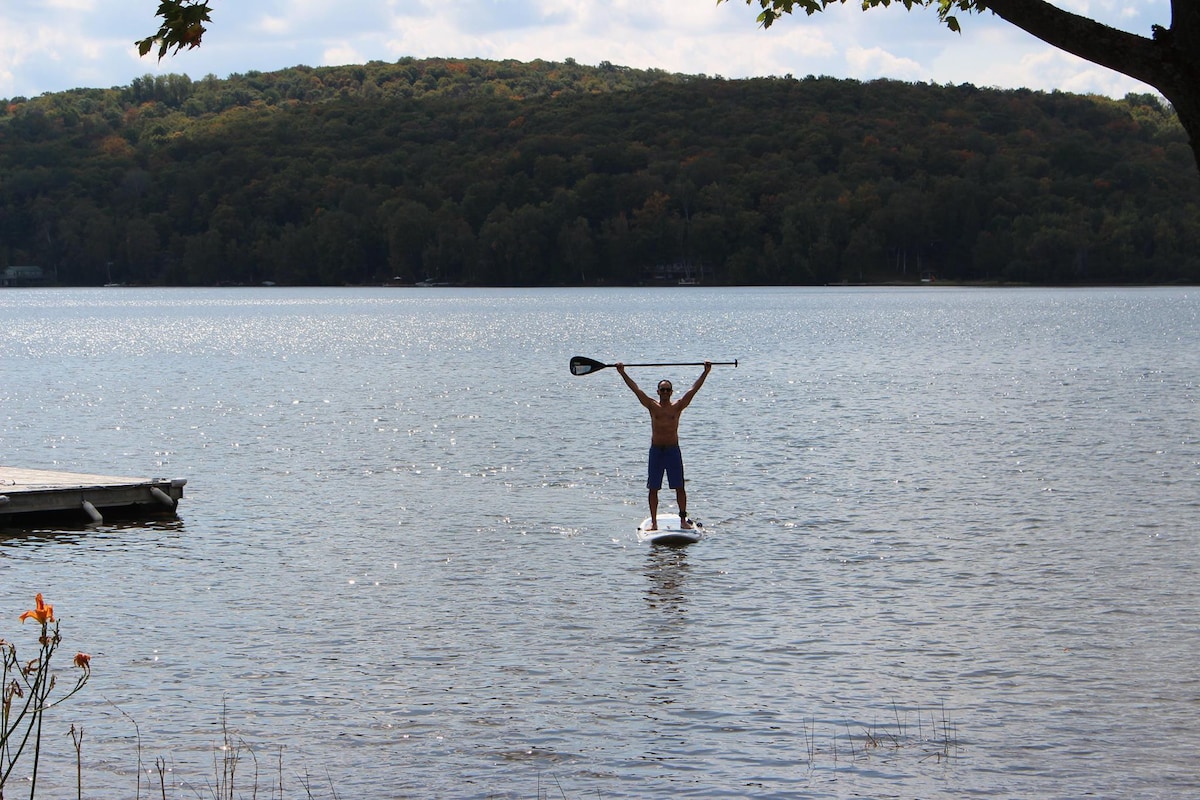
[
  {"x": 1058, "y": 70},
  {"x": 340, "y": 55},
  {"x": 274, "y": 26},
  {"x": 999, "y": 55},
  {"x": 867, "y": 63},
  {"x": 61, "y": 44}
]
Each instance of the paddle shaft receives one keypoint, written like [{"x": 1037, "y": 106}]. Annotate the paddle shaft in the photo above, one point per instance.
[{"x": 682, "y": 364}]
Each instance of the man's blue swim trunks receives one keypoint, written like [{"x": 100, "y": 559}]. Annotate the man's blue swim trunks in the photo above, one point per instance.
[{"x": 665, "y": 459}]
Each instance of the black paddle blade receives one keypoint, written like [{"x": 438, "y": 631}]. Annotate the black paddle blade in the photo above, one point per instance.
[{"x": 582, "y": 366}]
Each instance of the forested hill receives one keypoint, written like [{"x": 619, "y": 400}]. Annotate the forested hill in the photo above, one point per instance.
[{"x": 507, "y": 173}]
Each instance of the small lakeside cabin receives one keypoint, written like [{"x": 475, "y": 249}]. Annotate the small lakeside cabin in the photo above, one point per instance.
[{"x": 23, "y": 276}]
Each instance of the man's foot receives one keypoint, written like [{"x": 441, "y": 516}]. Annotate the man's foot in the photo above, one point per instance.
[
  {"x": 653, "y": 526},
  {"x": 685, "y": 523}
]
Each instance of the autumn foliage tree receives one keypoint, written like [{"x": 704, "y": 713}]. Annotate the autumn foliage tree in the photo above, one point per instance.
[
  {"x": 506, "y": 173},
  {"x": 1168, "y": 59}
]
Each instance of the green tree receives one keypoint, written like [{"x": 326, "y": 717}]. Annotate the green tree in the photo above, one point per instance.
[
  {"x": 758, "y": 181},
  {"x": 409, "y": 227}
]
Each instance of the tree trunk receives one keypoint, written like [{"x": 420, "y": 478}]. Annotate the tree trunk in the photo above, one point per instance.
[
  {"x": 1188, "y": 111},
  {"x": 1169, "y": 61}
]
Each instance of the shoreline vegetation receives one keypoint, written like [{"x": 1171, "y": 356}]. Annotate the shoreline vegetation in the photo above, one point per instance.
[
  {"x": 504, "y": 173},
  {"x": 929, "y": 734}
]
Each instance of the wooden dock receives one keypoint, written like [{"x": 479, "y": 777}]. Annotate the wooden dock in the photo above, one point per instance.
[{"x": 27, "y": 494}]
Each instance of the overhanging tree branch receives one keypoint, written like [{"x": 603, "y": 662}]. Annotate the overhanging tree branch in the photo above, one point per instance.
[
  {"x": 182, "y": 26},
  {"x": 1169, "y": 60},
  {"x": 1136, "y": 56}
]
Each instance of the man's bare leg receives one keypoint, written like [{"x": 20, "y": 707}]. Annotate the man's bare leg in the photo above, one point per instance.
[
  {"x": 653, "y": 509},
  {"x": 681, "y": 499}
]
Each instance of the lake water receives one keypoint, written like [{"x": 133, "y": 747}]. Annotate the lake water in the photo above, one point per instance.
[{"x": 952, "y": 550}]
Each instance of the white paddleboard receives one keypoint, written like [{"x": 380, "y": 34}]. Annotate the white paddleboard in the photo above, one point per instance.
[{"x": 669, "y": 532}]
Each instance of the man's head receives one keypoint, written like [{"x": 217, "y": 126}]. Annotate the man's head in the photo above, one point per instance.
[{"x": 664, "y": 389}]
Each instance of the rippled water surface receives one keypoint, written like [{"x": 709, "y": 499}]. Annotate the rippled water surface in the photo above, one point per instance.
[{"x": 952, "y": 541}]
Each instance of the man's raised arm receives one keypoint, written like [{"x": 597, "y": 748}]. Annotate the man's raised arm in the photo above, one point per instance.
[
  {"x": 687, "y": 397},
  {"x": 642, "y": 396}
]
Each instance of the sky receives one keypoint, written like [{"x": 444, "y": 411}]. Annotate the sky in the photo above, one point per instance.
[{"x": 54, "y": 45}]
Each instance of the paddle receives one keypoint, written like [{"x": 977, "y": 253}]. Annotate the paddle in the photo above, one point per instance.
[{"x": 586, "y": 366}]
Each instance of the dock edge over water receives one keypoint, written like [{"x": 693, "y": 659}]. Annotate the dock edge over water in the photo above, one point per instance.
[{"x": 27, "y": 494}]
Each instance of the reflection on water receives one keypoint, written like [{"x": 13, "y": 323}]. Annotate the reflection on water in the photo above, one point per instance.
[
  {"x": 75, "y": 523},
  {"x": 667, "y": 573},
  {"x": 16, "y": 537},
  {"x": 399, "y": 558}
]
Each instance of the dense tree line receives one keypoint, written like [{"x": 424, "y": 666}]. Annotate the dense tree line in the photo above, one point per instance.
[
  {"x": 1168, "y": 59},
  {"x": 556, "y": 173}
]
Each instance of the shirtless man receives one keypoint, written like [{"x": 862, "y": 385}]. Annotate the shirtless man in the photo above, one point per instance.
[{"x": 664, "y": 441}]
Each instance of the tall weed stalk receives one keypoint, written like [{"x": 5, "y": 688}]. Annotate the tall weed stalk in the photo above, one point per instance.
[{"x": 25, "y": 691}]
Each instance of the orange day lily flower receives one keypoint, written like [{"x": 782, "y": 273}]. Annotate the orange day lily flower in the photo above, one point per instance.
[
  {"x": 43, "y": 613},
  {"x": 83, "y": 660}
]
